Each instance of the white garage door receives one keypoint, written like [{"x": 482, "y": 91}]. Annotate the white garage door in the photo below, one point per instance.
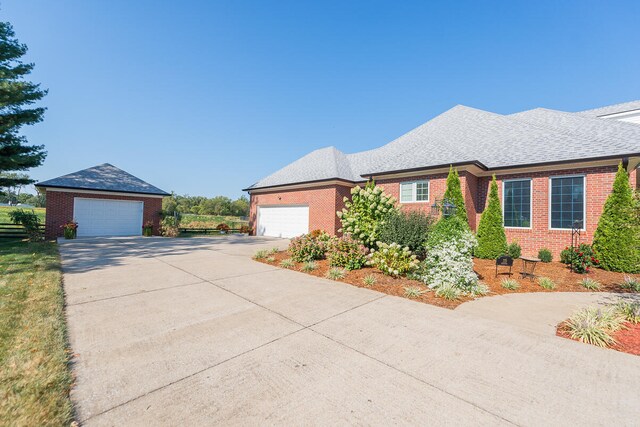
[
  {"x": 283, "y": 221},
  {"x": 100, "y": 217}
]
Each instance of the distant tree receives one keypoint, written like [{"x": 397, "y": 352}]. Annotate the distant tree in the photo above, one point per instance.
[
  {"x": 240, "y": 206},
  {"x": 616, "y": 239},
  {"x": 16, "y": 95},
  {"x": 492, "y": 240},
  {"x": 14, "y": 182},
  {"x": 453, "y": 193}
]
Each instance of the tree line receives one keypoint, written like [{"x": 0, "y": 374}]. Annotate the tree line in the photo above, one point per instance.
[{"x": 200, "y": 205}]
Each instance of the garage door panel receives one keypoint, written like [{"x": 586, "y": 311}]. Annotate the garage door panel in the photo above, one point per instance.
[
  {"x": 105, "y": 217},
  {"x": 283, "y": 221}
]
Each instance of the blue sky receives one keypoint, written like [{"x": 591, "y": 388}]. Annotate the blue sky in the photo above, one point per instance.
[{"x": 205, "y": 97}]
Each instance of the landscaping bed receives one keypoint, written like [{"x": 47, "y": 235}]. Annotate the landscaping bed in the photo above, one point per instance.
[{"x": 627, "y": 339}]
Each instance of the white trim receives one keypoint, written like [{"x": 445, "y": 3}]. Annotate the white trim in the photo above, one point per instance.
[
  {"x": 584, "y": 200},
  {"x": 288, "y": 187},
  {"x": 106, "y": 193},
  {"x": 530, "y": 203},
  {"x": 414, "y": 191}
]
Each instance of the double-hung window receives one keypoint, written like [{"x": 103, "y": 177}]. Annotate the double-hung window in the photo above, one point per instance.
[
  {"x": 516, "y": 198},
  {"x": 415, "y": 191},
  {"x": 567, "y": 201}
]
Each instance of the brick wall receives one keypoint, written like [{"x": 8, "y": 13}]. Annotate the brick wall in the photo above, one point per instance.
[
  {"x": 437, "y": 186},
  {"x": 60, "y": 210}
]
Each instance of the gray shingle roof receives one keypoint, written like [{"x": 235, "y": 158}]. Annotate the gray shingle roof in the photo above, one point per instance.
[
  {"x": 612, "y": 109},
  {"x": 105, "y": 177},
  {"x": 467, "y": 135}
]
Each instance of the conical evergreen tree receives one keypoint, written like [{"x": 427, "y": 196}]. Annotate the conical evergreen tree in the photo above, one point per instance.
[
  {"x": 16, "y": 95},
  {"x": 616, "y": 238},
  {"x": 453, "y": 193},
  {"x": 492, "y": 240}
]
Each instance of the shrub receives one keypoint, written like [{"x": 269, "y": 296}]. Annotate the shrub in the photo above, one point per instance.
[
  {"x": 449, "y": 263},
  {"x": 492, "y": 240},
  {"x": 271, "y": 259},
  {"x": 306, "y": 248},
  {"x": 630, "y": 310},
  {"x": 480, "y": 289},
  {"x": 566, "y": 255},
  {"x": 261, "y": 254},
  {"x": 510, "y": 284},
  {"x": 169, "y": 227},
  {"x": 593, "y": 325},
  {"x": 30, "y": 223},
  {"x": 617, "y": 238},
  {"x": 448, "y": 291},
  {"x": 364, "y": 215},
  {"x": 223, "y": 227},
  {"x": 445, "y": 230},
  {"x": 287, "y": 263},
  {"x": 630, "y": 283},
  {"x": 409, "y": 229},
  {"x": 309, "y": 266},
  {"x": 413, "y": 292},
  {"x": 335, "y": 273},
  {"x": 514, "y": 250},
  {"x": 348, "y": 253},
  {"x": 393, "y": 259},
  {"x": 546, "y": 283},
  {"x": 274, "y": 251},
  {"x": 245, "y": 229},
  {"x": 369, "y": 280},
  {"x": 453, "y": 193},
  {"x": 545, "y": 255},
  {"x": 581, "y": 258},
  {"x": 590, "y": 284}
]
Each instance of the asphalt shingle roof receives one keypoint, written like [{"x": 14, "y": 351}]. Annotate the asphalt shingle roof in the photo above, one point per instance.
[
  {"x": 612, "y": 109},
  {"x": 105, "y": 177},
  {"x": 468, "y": 135}
]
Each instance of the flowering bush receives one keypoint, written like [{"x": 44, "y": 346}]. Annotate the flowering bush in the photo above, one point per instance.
[
  {"x": 30, "y": 223},
  {"x": 169, "y": 227},
  {"x": 581, "y": 258},
  {"x": 393, "y": 259},
  {"x": 449, "y": 264},
  {"x": 70, "y": 229},
  {"x": 223, "y": 227},
  {"x": 348, "y": 253},
  {"x": 245, "y": 229},
  {"x": 307, "y": 248},
  {"x": 366, "y": 212},
  {"x": 147, "y": 229}
]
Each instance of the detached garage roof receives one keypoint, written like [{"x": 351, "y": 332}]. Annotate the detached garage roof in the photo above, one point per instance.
[{"x": 104, "y": 177}]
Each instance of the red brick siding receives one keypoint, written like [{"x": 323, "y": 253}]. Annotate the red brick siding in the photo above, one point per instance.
[
  {"x": 60, "y": 210},
  {"x": 437, "y": 186}
]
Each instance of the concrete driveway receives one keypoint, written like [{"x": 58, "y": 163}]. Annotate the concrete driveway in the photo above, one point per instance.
[{"x": 193, "y": 332}]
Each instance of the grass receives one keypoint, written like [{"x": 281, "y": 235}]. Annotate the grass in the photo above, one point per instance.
[
  {"x": 413, "y": 292},
  {"x": 34, "y": 372},
  {"x": 510, "y": 284},
  {"x": 631, "y": 283},
  {"x": 546, "y": 283},
  {"x": 336, "y": 273},
  {"x": 271, "y": 259},
  {"x": 4, "y": 213},
  {"x": 210, "y": 221},
  {"x": 261, "y": 254},
  {"x": 448, "y": 292},
  {"x": 287, "y": 263},
  {"x": 630, "y": 310},
  {"x": 593, "y": 325},
  {"x": 309, "y": 266},
  {"x": 369, "y": 280},
  {"x": 591, "y": 284}
]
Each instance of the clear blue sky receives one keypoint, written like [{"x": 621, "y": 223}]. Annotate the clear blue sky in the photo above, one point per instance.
[{"x": 205, "y": 97}]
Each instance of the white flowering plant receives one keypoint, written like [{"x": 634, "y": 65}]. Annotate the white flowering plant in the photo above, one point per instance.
[
  {"x": 366, "y": 212},
  {"x": 393, "y": 259}
]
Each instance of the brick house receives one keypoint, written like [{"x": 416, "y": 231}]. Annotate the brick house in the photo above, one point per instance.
[
  {"x": 553, "y": 168},
  {"x": 104, "y": 200}
]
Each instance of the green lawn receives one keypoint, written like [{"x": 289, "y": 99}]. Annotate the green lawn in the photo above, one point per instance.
[
  {"x": 4, "y": 213},
  {"x": 210, "y": 221},
  {"x": 34, "y": 373}
]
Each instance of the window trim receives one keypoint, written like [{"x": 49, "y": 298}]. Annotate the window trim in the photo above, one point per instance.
[
  {"x": 414, "y": 191},
  {"x": 584, "y": 200},
  {"x": 530, "y": 203}
]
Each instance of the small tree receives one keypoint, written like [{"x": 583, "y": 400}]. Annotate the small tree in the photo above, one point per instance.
[
  {"x": 492, "y": 240},
  {"x": 364, "y": 215},
  {"x": 453, "y": 193},
  {"x": 616, "y": 238}
]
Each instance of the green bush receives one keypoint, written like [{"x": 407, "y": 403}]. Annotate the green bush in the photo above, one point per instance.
[
  {"x": 307, "y": 248},
  {"x": 514, "y": 250},
  {"x": 594, "y": 325},
  {"x": 546, "y": 283},
  {"x": 453, "y": 193},
  {"x": 545, "y": 255},
  {"x": 393, "y": 260},
  {"x": 365, "y": 214},
  {"x": 581, "y": 259},
  {"x": 29, "y": 221},
  {"x": 169, "y": 227},
  {"x": 348, "y": 253},
  {"x": 492, "y": 240},
  {"x": 617, "y": 238},
  {"x": 409, "y": 229},
  {"x": 444, "y": 230},
  {"x": 630, "y": 283}
]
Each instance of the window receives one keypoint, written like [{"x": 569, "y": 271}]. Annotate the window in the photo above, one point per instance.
[
  {"x": 567, "y": 201},
  {"x": 517, "y": 203},
  {"x": 417, "y": 191}
]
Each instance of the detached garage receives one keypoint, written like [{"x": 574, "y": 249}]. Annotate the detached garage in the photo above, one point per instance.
[{"x": 104, "y": 200}]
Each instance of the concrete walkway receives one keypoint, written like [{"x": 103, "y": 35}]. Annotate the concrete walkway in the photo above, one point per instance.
[{"x": 193, "y": 332}]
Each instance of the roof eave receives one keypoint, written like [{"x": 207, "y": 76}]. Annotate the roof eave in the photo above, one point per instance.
[
  {"x": 45, "y": 186},
  {"x": 426, "y": 168},
  {"x": 315, "y": 181}
]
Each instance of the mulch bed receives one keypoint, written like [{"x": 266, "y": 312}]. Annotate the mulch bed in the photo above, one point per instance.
[
  {"x": 566, "y": 281},
  {"x": 627, "y": 340}
]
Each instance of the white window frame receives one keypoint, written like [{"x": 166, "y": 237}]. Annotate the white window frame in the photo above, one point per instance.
[
  {"x": 530, "y": 203},
  {"x": 584, "y": 200},
  {"x": 414, "y": 191}
]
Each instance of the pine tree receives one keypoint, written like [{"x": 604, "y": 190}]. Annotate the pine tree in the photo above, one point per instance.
[
  {"x": 492, "y": 240},
  {"x": 616, "y": 238},
  {"x": 453, "y": 193},
  {"x": 16, "y": 96}
]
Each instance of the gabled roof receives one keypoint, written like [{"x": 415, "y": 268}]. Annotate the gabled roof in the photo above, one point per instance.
[
  {"x": 104, "y": 177},
  {"x": 612, "y": 109},
  {"x": 465, "y": 135}
]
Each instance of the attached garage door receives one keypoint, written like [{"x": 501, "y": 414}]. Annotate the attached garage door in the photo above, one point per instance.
[
  {"x": 283, "y": 221},
  {"x": 101, "y": 217}
]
